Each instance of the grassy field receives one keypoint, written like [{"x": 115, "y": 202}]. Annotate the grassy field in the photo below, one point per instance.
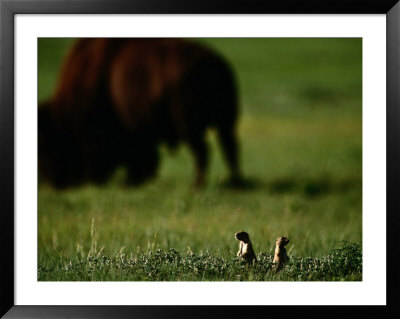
[{"x": 300, "y": 135}]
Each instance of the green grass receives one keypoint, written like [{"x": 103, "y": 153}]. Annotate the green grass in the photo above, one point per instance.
[
  {"x": 344, "y": 263},
  {"x": 300, "y": 134}
]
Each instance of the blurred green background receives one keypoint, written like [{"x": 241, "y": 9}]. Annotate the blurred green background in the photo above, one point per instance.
[{"x": 300, "y": 135}]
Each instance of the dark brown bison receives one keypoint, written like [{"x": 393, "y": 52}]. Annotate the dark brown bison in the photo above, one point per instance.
[{"x": 118, "y": 99}]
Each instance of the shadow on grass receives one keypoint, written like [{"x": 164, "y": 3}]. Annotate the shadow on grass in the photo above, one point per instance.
[
  {"x": 242, "y": 184},
  {"x": 309, "y": 186},
  {"x": 313, "y": 186}
]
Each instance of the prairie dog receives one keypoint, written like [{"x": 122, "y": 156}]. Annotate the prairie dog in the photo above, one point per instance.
[
  {"x": 246, "y": 251},
  {"x": 280, "y": 257}
]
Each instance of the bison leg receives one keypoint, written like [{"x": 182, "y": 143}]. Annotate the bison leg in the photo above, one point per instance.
[
  {"x": 200, "y": 153},
  {"x": 142, "y": 165},
  {"x": 229, "y": 146}
]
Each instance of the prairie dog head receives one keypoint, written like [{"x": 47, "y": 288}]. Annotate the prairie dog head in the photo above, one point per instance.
[
  {"x": 282, "y": 241},
  {"x": 242, "y": 236}
]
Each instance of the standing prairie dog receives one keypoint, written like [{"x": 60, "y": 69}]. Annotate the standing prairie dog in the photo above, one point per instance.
[
  {"x": 246, "y": 251},
  {"x": 280, "y": 257}
]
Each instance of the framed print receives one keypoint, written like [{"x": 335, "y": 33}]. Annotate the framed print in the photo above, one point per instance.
[{"x": 176, "y": 159}]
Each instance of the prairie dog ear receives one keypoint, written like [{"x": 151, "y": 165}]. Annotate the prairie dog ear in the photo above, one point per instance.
[
  {"x": 285, "y": 241},
  {"x": 282, "y": 241},
  {"x": 242, "y": 235}
]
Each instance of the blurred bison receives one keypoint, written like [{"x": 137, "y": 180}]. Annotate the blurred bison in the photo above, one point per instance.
[{"x": 118, "y": 99}]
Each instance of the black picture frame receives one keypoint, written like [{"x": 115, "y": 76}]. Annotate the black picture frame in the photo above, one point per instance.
[{"x": 8, "y": 10}]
